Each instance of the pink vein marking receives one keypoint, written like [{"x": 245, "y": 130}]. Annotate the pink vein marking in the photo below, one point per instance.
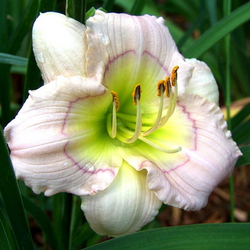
[
  {"x": 157, "y": 60},
  {"x": 184, "y": 109},
  {"x": 193, "y": 121},
  {"x": 68, "y": 111},
  {"x": 64, "y": 148},
  {"x": 134, "y": 52},
  {"x": 115, "y": 58},
  {"x": 82, "y": 167}
]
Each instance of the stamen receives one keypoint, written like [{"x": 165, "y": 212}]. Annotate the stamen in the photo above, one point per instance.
[
  {"x": 116, "y": 105},
  {"x": 174, "y": 75},
  {"x": 161, "y": 87},
  {"x": 130, "y": 125},
  {"x": 165, "y": 150},
  {"x": 115, "y": 100},
  {"x": 137, "y": 93},
  {"x": 136, "y": 97},
  {"x": 172, "y": 97},
  {"x": 167, "y": 85}
]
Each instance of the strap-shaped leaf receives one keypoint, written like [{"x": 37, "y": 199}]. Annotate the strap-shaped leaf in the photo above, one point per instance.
[
  {"x": 221, "y": 236},
  {"x": 218, "y": 31}
]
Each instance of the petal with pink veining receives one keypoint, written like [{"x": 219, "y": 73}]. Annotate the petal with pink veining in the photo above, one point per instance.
[
  {"x": 186, "y": 178},
  {"x": 144, "y": 39},
  {"x": 58, "y": 141}
]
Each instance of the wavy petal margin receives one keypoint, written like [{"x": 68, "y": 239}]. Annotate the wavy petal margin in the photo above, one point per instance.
[
  {"x": 202, "y": 82},
  {"x": 51, "y": 139},
  {"x": 186, "y": 179},
  {"x": 111, "y": 37},
  {"x": 124, "y": 207}
]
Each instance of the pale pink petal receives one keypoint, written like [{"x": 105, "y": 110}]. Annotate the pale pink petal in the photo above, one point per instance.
[
  {"x": 59, "y": 45},
  {"x": 124, "y": 207},
  {"x": 185, "y": 179},
  {"x": 58, "y": 141},
  {"x": 202, "y": 82},
  {"x": 144, "y": 40}
]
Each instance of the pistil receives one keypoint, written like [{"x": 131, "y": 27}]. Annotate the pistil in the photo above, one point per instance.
[{"x": 130, "y": 125}]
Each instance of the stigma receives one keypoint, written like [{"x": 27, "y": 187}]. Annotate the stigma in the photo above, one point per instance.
[{"x": 132, "y": 128}]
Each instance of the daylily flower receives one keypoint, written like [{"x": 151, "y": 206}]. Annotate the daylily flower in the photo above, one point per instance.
[{"x": 123, "y": 120}]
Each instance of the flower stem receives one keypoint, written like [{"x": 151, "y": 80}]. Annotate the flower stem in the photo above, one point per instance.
[{"x": 227, "y": 10}]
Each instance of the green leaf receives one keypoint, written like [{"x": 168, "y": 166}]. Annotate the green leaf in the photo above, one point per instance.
[
  {"x": 13, "y": 60},
  {"x": 33, "y": 73},
  {"x": 12, "y": 199},
  {"x": 76, "y": 9},
  {"x": 62, "y": 205},
  {"x": 241, "y": 116},
  {"x": 245, "y": 158},
  {"x": 108, "y": 5},
  {"x": 241, "y": 134},
  {"x": 137, "y": 7},
  {"x": 7, "y": 239},
  {"x": 43, "y": 221},
  {"x": 90, "y": 13},
  {"x": 24, "y": 26},
  {"x": 4, "y": 243},
  {"x": 220, "y": 236},
  {"x": 218, "y": 31}
]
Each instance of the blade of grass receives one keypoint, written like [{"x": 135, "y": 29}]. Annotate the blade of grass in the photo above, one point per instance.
[
  {"x": 195, "y": 24},
  {"x": 33, "y": 75},
  {"x": 218, "y": 31},
  {"x": 12, "y": 199},
  {"x": 32, "y": 80},
  {"x": 137, "y": 7},
  {"x": 108, "y": 5},
  {"x": 245, "y": 158},
  {"x": 5, "y": 93},
  {"x": 221, "y": 236},
  {"x": 62, "y": 204},
  {"x": 227, "y": 10},
  {"x": 7, "y": 239},
  {"x": 43, "y": 221},
  {"x": 4, "y": 243},
  {"x": 23, "y": 27},
  {"x": 13, "y": 60},
  {"x": 4, "y": 69},
  {"x": 241, "y": 134},
  {"x": 241, "y": 116},
  {"x": 76, "y": 9}
]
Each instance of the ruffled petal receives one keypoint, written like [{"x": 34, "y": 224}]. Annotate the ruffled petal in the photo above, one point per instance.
[
  {"x": 59, "y": 45},
  {"x": 185, "y": 179},
  {"x": 144, "y": 41},
  {"x": 58, "y": 141},
  {"x": 202, "y": 82},
  {"x": 124, "y": 207}
]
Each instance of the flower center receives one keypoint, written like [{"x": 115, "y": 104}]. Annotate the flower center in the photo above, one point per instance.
[{"x": 130, "y": 128}]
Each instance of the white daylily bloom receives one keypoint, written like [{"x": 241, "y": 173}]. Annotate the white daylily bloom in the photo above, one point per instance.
[{"x": 124, "y": 121}]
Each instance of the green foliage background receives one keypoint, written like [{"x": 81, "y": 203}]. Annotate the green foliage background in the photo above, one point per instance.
[{"x": 223, "y": 31}]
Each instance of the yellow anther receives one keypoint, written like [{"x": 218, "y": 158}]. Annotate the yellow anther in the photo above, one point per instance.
[
  {"x": 167, "y": 86},
  {"x": 115, "y": 100},
  {"x": 174, "y": 75},
  {"x": 137, "y": 93},
  {"x": 160, "y": 87}
]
